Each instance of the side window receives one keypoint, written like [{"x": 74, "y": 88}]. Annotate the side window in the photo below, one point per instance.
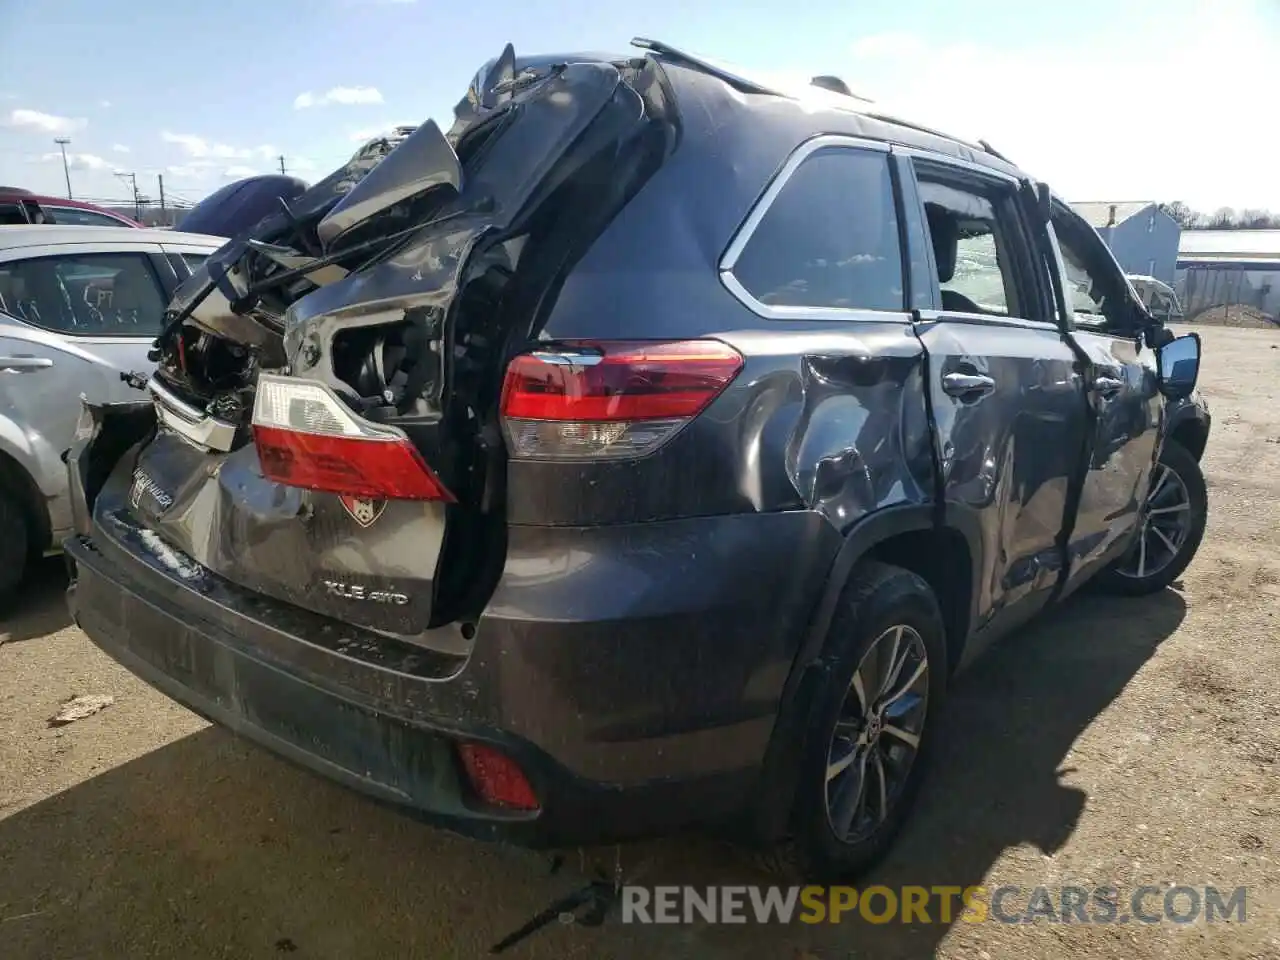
[
  {"x": 974, "y": 233},
  {"x": 82, "y": 218},
  {"x": 89, "y": 294},
  {"x": 194, "y": 260},
  {"x": 829, "y": 238},
  {"x": 1097, "y": 292},
  {"x": 1086, "y": 298}
]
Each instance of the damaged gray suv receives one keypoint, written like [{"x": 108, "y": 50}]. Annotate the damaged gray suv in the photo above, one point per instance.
[{"x": 646, "y": 452}]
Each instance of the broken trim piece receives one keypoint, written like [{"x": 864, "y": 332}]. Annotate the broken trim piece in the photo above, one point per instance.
[{"x": 190, "y": 423}]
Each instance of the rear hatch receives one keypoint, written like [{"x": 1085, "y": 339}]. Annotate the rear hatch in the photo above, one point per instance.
[{"x": 327, "y": 386}]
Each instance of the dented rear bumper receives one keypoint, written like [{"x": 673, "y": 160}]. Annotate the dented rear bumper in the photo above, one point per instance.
[{"x": 637, "y": 692}]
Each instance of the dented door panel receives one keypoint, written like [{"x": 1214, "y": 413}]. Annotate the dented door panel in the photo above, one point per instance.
[
  {"x": 1128, "y": 409},
  {"x": 1006, "y": 454}
]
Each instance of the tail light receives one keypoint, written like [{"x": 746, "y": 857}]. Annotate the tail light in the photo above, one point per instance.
[
  {"x": 307, "y": 437},
  {"x": 610, "y": 400},
  {"x": 496, "y": 777}
]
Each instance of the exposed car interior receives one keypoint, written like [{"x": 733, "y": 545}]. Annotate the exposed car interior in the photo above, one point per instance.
[{"x": 970, "y": 252}]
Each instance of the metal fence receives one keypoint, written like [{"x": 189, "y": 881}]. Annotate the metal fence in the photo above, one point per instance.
[{"x": 1230, "y": 291}]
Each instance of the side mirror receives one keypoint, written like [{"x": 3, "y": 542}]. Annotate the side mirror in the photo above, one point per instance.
[{"x": 1178, "y": 366}]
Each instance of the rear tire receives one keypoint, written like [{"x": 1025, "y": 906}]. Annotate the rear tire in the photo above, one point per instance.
[
  {"x": 873, "y": 721},
  {"x": 15, "y": 547},
  {"x": 1174, "y": 517}
]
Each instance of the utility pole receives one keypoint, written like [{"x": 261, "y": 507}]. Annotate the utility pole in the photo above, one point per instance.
[
  {"x": 282, "y": 170},
  {"x": 66, "y": 170},
  {"x": 164, "y": 217},
  {"x": 133, "y": 184}
]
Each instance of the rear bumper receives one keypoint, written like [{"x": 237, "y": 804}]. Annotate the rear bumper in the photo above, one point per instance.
[{"x": 637, "y": 694}]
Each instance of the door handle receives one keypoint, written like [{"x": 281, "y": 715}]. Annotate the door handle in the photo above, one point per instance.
[
  {"x": 1108, "y": 385},
  {"x": 24, "y": 363},
  {"x": 967, "y": 384}
]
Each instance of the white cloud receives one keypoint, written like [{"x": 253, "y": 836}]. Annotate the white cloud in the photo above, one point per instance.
[
  {"x": 237, "y": 172},
  {"x": 104, "y": 103},
  {"x": 47, "y": 122},
  {"x": 119, "y": 148},
  {"x": 346, "y": 96},
  {"x": 81, "y": 161},
  {"x": 209, "y": 151},
  {"x": 1098, "y": 124}
]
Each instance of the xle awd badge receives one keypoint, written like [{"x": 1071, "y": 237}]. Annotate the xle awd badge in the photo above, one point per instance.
[{"x": 363, "y": 510}]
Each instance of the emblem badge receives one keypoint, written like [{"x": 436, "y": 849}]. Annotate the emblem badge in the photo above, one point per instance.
[
  {"x": 143, "y": 484},
  {"x": 363, "y": 510}
]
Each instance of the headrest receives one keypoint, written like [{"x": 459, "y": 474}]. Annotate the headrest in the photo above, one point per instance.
[{"x": 945, "y": 233}]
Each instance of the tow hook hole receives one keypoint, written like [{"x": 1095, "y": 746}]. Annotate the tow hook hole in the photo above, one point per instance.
[{"x": 468, "y": 631}]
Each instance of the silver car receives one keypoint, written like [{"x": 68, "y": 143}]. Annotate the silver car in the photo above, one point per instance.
[{"x": 78, "y": 305}]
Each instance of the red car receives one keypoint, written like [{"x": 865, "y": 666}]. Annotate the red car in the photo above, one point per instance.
[{"x": 21, "y": 206}]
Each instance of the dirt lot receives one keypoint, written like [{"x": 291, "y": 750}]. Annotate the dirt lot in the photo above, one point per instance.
[{"x": 1117, "y": 742}]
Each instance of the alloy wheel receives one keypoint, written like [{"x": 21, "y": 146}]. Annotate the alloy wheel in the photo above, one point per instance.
[
  {"x": 1165, "y": 524},
  {"x": 877, "y": 735}
]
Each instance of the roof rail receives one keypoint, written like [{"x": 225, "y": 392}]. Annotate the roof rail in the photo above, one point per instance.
[{"x": 672, "y": 53}]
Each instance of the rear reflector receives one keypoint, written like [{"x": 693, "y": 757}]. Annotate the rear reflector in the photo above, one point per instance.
[
  {"x": 593, "y": 400},
  {"x": 307, "y": 437},
  {"x": 496, "y": 777}
]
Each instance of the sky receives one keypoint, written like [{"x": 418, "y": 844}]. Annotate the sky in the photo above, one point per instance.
[{"x": 1103, "y": 99}]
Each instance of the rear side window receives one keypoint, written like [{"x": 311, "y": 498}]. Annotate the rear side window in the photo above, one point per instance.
[
  {"x": 83, "y": 218},
  {"x": 90, "y": 294},
  {"x": 830, "y": 237},
  {"x": 12, "y": 213}
]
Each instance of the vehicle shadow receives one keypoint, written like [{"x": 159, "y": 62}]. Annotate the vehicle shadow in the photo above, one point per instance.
[
  {"x": 209, "y": 847},
  {"x": 40, "y": 606},
  {"x": 997, "y": 778}
]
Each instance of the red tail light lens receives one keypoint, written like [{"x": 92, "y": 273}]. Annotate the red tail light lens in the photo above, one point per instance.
[
  {"x": 496, "y": 777},
  {"x": 610, "y": 400},
  {"x": 307, "y": 437}
]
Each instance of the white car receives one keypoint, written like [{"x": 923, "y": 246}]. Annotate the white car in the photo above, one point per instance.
[{"x": 78, "y": 306}]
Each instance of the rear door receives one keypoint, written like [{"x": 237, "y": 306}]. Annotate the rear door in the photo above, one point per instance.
[
  {"x": 1120, "y": 383},
  {"x": 1007, "y": 397}
]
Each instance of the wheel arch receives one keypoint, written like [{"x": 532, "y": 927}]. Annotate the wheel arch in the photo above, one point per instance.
[
  {"x": 17, "y": 482},
  {"x": 910, "y": 536},
  {"x": 1188, "y": 426}
]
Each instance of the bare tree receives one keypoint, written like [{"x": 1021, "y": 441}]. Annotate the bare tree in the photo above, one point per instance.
[
  {"x": 1185, "y": 217},
  {"x": 1257, "y": 219},
  {"x": 1224, "y": 218}
]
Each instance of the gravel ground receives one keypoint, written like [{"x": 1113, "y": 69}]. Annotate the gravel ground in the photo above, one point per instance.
[{"x": 1114, "y": 742}]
